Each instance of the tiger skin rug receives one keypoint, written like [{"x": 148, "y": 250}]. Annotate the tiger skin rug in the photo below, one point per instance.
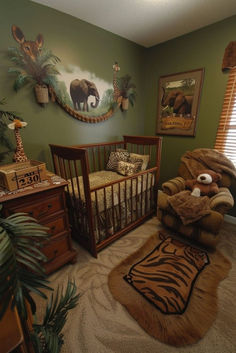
[
  {"x": 166, "y": 276},
  {"x": 170, "y": 288}
]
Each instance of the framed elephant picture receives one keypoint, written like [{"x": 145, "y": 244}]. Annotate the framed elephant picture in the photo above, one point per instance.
[{"x": 178, "y": 103}]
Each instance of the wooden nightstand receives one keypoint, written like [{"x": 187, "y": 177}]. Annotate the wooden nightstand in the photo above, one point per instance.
[{"x": 45, "y": 202}]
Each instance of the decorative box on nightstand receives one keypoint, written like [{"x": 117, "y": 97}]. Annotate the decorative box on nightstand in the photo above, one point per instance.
[{"x": 45, "y": 201}]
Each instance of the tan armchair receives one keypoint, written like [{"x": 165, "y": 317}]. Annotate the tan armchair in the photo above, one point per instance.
[{"x": 206, "y": 229}]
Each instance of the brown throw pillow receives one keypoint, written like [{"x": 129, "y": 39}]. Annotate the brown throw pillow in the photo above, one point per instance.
[{"x": 114, "y": 158}]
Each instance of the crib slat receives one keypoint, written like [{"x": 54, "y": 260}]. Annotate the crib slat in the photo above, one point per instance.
[
  {"x": 105, "y": 209},
  {"x": 99, "y": 158},
  {"x": 104, "y": 156},
  {"x": 112, "y": 207},
  {"x": 146, "y": 202},
  {"x": 141, "y": 206},
  {"x": 136, "y": 197},
  {"x": 77, "y": 179},
  {"x": 62, "y": 173},
  {"x": 131, "y": 199},
  {"x": 99, "y": 225},
  {"x": 119, "y": 203},
  {"x": 126, "y": 204},
  {"x": 151, "y": 194},
  {"x": 150, "y": 151},
  {"x": 71, "y": 178}
]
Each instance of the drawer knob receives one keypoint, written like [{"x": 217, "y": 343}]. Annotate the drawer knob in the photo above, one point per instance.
[{"x": 45, "y": 211}]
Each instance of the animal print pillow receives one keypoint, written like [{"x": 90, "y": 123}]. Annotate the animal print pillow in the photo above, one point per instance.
[
  {"x": 126, "y": 168},
  {"x": 138, "y": 162},
  {"x": 144, "y": 157},
  {"x": 114, "y": 158}
]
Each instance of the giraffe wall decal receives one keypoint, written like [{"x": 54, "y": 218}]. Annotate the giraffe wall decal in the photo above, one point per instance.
[
  {"x": 116, "y": 68},
  {"x": 19, "y": 155}
]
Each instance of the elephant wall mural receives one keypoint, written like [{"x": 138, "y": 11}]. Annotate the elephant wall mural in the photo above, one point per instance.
[
  {"x": 80, "y": 90},
  {"x": 178, "y": 103}
]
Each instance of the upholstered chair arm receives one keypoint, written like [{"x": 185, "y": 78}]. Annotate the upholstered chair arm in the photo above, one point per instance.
[
  {"x": 173, "y": 186},
  {"x": 222, "y": 202}
]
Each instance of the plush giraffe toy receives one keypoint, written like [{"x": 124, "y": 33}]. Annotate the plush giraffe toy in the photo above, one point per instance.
[{"x": 19, "y": 155}]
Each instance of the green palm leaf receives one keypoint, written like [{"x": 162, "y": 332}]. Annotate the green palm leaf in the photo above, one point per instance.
[
  {"x": 127, "y": 88},
  {"x": 20, "y": 271},
  {"x": 47, "y": 337},
  {"x": 38, "y": 71}
]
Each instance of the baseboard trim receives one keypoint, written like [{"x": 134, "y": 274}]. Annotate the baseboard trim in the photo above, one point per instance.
[{"x": 230, "y": 219}]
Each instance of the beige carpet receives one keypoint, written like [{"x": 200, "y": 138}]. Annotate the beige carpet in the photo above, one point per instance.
[{"x": 99, "y": 324}]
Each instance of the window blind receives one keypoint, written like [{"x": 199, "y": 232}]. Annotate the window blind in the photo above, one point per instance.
[{"x": 226, "y": 133}]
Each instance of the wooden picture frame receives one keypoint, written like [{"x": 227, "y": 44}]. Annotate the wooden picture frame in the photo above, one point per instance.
[{"x": 178, "y": 103}]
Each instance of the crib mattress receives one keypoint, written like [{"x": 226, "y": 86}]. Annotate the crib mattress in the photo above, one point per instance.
[{"x": 103, "y": 199}]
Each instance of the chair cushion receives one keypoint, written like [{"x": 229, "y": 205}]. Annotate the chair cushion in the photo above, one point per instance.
[
  {"x": 210, "y": 222},
  {"x": 192, "y": 232}
]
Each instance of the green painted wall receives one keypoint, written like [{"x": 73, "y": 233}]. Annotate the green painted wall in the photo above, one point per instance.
[
  {"x": 203, "y": 48},
  {"x": 95, "y": 50},
  {"x": 74, "y": 42}
]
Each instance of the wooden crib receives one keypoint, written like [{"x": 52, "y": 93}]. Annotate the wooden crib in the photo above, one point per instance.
[{"x": 103, "y": 205}]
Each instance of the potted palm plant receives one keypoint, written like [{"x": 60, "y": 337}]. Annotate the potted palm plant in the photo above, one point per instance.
[
  {"x": 41, "y": 73},
  {"x": 21, "y": 275},
  {"x": 127, "y": 91}
]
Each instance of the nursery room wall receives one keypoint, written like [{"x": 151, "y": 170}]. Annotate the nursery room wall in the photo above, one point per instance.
[
  {"x": 76, "y": 43},
  {"x": 200, "y": 49}
]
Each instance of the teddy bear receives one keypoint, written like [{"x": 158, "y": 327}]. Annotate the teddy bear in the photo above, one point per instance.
[{"x": 204, "y": 184}]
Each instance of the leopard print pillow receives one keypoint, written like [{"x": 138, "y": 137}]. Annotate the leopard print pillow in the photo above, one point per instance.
[
  {"x": 144, "y": 157},
  {"x": 126, "y": 168},
  {"x": 114, "y": 158},
  {"x": 138, "y": 162}
]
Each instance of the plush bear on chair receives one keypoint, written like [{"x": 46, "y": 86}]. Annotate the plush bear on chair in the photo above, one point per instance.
[
  {"x": 206, "y": 229},
  {"x": 204, "y": 184}
]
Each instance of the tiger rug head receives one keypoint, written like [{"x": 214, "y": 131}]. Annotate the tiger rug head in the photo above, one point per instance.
[{"x": 166, "y": 276}]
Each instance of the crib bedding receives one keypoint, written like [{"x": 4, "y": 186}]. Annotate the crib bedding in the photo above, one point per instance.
[{"x": 121, "y": 191}]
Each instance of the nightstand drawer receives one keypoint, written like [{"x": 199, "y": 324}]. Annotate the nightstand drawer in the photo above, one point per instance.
[
  {"x": 57, "y": 225},
  {"x": 56, "y": 247},
  {"x": 47, "y": 205},
  {"x": 41, "y": 208}
]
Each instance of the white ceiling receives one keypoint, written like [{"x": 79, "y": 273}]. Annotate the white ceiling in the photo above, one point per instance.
[{"x": 146, "y": 22}]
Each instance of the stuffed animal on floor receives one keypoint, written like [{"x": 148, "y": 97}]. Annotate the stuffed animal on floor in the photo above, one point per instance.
[{"x": 204, "y": 184}]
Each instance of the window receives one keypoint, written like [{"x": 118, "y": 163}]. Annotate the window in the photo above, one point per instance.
[{"x": 226, "y": 133}]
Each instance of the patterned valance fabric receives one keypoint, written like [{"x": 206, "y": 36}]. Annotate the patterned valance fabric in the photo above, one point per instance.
[{"x": 229, "y": 60}]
